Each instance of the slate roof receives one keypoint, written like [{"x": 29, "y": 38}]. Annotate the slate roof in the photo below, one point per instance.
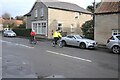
[
  {"x": 61, "y": 5},
  {"x": 66, "y": 6}
]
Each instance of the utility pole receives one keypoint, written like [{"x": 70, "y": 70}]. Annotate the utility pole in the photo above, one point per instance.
[{"x": 94, "y": 7}]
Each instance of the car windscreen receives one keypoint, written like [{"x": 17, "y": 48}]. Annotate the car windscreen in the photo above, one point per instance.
[
  {"x": 78, "y": 36},
  {"x": 118, "y": 37},
  {"x": 9, "y": 31}
]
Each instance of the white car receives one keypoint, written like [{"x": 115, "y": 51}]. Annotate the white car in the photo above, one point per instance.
[
  {"x": 113, "y": 44},
  {"x": 9, "y": 33},
  {"x": 77, "y": 40}
]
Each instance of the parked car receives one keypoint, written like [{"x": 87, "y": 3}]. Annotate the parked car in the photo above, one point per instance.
[
  {"x": 9, "y": 33},
  {"x": 113, "y": 44},
  {"x": 77, "y": 40}
]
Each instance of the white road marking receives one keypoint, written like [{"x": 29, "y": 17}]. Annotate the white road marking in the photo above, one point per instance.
[
  {"x": 16, "y": 44},
  {"x": 69, "y": 56}
]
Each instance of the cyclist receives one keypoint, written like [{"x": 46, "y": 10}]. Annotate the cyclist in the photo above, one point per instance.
[
  {"x": 57, "y": 35},
  {"x": 32, "y": 36}
]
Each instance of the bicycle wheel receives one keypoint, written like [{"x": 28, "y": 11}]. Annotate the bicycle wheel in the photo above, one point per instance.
[
  {"x": 60, "y": 44},
  {"x": 53, "y": 44}
]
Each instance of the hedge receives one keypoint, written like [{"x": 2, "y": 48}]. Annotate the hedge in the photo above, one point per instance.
[{"x": 22, "y": 32}]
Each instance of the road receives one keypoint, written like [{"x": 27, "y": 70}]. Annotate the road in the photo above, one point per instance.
[
  {"x": 0, "y": 58},
  {"x": 20, "y": 59}
]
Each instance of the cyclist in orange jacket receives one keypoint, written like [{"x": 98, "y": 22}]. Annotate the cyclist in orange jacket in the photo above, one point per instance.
[{"x": 32, "y": 35}]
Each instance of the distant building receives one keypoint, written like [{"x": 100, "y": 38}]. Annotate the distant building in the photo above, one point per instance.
[
  {"x": 1, "y": 24},
  {"x": 107, "y": 21},
  {"x": 46, "y": 17},
  {"x": 18, "y": 22},
  {"x": 4, "y": 22}
]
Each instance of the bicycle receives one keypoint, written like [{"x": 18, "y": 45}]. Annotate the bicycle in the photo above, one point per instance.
[
  {"x": 33, "y": 41},
  {"x": 59, "y": 43}
]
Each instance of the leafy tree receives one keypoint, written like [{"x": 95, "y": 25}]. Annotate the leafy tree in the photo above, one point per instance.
[
  {"x": 91, "y": 7},
  {"x": 88, "y": 26},
  {"x": 88, "y": 30}
]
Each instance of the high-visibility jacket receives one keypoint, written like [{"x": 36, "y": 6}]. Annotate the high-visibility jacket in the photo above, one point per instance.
[{"x": 56, "y": 34}]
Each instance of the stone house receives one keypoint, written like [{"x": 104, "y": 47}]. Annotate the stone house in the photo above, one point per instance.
[
  {"x": 107, "y": 21},
  {"x": 46, "y": 17},
  {"x": 1, "y": 24}
]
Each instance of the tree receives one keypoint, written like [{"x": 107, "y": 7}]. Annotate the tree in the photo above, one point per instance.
[
  {"x": 88, "y": 26},
  {"x": 88, "y": 30},
  {"x": 23, "y": 25},
  {"x": 8, "y": 21},
  {"x": 91, "y": 7},
  {"x": 6, "y": 16},
  {"x": 19, "y": 17}
]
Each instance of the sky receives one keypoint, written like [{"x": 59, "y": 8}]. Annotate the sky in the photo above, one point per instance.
[{"x": 21, "y": 7}]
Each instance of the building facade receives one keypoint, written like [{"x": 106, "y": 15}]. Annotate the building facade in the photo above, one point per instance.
[
  {"x": 107, "y": 21},
  {"x": 1, "y": 24},
  {"x": 46, "y": 17}
]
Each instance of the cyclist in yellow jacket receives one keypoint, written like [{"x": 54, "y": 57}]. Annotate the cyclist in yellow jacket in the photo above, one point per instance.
[{"x": 57, "y": 35}]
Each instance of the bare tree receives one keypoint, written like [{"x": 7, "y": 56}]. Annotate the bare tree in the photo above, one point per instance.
[
  {"x": 7, "y": 23},
  {"x": 19, "y": 17},
  {"x": 6, "y": 16}
]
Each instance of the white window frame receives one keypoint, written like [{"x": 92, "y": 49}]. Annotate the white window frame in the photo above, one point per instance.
[
  {"x": 116, "y": 32},
  {"x": 36, "y": 13},
  {"x": 61, "y": 27},
  {"x": 72, "y": 28},
  {"x": 77, "y": 15},
  {"x": 40, "y": 22},
  {"x": 41, "y": 11}
]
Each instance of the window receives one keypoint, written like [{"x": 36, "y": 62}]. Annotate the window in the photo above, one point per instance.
[
  {"x": 35, "y": 27},
  {"x": 40, "y": 28},
  {"x": 76, "y": 15},
  {"x": 43, "y": 28},
  {"x": 71, "y": 37},
  {"x": 41, "y": 12},
  {"x": 59, "y": 26},
  {"x": 78, "y": 37},
  {"x": 115, "y": 32},
  {"x": 36, "y": 13},
  {"x": 72, "y": 28},
  {"x": 118, "y": 37},
  {"x": 112, "y": 38}
]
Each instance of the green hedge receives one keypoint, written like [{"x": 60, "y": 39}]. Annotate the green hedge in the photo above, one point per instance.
[{"x": 22, "y": 32}]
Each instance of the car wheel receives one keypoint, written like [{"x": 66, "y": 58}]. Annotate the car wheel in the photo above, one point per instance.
[
  {"x": 82, "y": 45},
  {"x": 64, "y": 43},
  {"x": 116, "y": 49},
  {"x": 5, "y": 35}
]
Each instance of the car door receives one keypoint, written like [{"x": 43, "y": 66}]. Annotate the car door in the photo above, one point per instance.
[
  {"x": 77, "y": 40},
  {"x": 70, "y": 40}
]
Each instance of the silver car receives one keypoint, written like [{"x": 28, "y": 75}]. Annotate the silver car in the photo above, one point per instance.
[
  {"x": 77, "y": 40},
  {"x": 113, "y": 44},
  {"x": 9, "y": 33}
]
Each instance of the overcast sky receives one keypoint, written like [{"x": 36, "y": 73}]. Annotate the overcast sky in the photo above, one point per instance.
[{"x": 21, "y": 7}]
